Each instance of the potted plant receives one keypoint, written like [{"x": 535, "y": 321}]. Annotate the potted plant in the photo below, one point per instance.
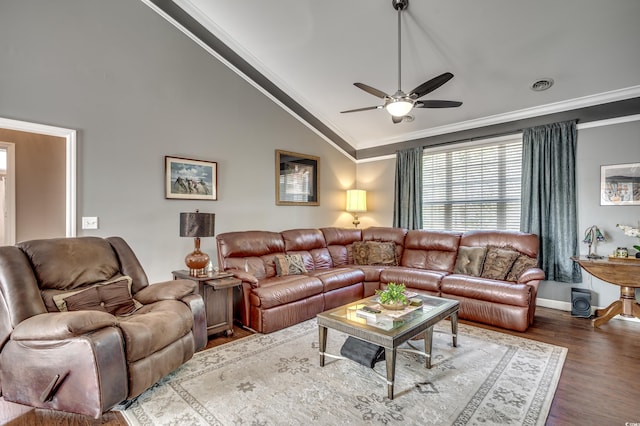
[{"x": 393, "y": 296}]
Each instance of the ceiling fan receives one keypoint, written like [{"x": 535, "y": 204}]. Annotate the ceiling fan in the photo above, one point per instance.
[{"x": 400, "y": 103}]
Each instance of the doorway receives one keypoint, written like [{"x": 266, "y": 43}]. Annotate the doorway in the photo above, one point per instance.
[{"x": 7, "y": 194}]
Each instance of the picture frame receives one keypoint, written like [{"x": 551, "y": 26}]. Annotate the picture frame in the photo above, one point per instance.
[
  {"x": 620, "y": 185},
  {"x": 297, "y": 179},
  {"x": 189, "y": 179}
]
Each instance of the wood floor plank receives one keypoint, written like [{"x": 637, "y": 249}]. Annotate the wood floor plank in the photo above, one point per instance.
[{"x": 599, "y": 385}]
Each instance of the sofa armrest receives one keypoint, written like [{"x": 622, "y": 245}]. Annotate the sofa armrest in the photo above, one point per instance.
[
  {"x": 62, "y": 325},
  {"x": 196, "y": 304},
  {"x": 531, "y": 274},
  {"x": 167, "y": 290},
  {"x": 246, "y": 277}
]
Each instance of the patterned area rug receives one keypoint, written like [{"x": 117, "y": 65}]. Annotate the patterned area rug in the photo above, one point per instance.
[{"x": 276, "y": 379}]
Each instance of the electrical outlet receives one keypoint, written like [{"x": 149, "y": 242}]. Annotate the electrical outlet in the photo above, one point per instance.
[{"x": 89, "y": 222}]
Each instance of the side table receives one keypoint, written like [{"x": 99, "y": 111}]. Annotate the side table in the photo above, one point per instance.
[{"x": 217, "y": 293}]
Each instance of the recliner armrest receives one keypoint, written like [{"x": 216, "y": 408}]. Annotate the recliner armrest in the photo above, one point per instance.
[
  {"x": 62, "y": 325},
  {"x": 167, "y": 290},
  {"x": 246, "y": 277}
]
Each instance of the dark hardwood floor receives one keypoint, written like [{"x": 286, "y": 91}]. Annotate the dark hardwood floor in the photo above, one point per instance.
[{"x": 600, "y": 382}]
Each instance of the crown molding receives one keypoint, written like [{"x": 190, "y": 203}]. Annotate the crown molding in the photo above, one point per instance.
[{"x": 585, "y": 101}]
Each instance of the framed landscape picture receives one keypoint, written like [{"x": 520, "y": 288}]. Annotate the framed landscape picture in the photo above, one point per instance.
[
  {"x": 620, "y": 185},
  {"x": 297, "y": 177},
  {"x": 187, "y": 179}
]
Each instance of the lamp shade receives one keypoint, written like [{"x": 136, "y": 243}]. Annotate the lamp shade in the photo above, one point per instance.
[
  {"x": 197, "y": 224},
  {"x": 356, "y": 201}
]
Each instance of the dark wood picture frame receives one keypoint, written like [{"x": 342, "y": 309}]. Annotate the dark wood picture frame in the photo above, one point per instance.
[
  {"x": 188, "y": 179},
  {"x": 297, "y": 179}
]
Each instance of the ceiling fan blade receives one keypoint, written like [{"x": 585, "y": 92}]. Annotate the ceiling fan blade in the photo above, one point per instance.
[
  {"x": 396, "y": 120},
  {"x": 371, "y": 90},
  {"x": 431, "y": 85},
  {"x": 437, "y": 104},
  {"x": 362, "y": 109}
]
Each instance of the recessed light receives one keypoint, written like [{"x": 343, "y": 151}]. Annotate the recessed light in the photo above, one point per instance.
[{"x": 542, "y": 84}]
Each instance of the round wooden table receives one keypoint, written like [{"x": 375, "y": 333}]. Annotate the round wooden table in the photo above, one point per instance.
[{"x": 623, "y": 272}]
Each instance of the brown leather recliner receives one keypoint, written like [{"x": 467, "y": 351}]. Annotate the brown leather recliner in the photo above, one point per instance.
[{"x": 81, "y": 329}]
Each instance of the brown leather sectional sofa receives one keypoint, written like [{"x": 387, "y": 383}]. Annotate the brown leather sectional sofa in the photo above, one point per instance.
[{"x": 427, "y": 262}]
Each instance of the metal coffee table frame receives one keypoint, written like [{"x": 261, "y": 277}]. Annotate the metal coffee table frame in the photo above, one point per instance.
[{"x": 417, "y": 322}]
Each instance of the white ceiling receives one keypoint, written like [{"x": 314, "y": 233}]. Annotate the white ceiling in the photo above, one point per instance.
[{"x": 314, "y": 50}]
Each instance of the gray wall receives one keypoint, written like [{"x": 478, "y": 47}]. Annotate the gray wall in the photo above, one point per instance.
[{"x": 137, "y": 89}]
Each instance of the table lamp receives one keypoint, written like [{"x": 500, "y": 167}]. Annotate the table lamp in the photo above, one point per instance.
[
  {"x": 197, "y": 225},
  {"x": 356, "y": 203},
  {"x": 591, "y": 235}
]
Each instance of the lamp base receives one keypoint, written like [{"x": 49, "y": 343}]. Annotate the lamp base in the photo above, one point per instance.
[
  {"x": 356, "y": 221},
  {"x": 197, "y": 261}
]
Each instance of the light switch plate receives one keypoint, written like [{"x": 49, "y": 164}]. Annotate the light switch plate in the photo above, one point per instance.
[{"x": 89, "y": 222}]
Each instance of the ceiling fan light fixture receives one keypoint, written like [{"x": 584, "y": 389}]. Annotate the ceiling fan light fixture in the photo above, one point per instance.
[{"x": 399, "y": 107}]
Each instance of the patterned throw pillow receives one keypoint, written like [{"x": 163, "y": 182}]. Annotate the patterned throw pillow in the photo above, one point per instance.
[
  {"x": 289, "y": 264},
  {"x": 470, "y": 260},
  {"x": 382, "y": 253},
  {"x": 522, "y": 263},
  {"x": 498, "y": 262},
  {"x": 360, "y": 252},
  {"x": 374, "y": 253}
]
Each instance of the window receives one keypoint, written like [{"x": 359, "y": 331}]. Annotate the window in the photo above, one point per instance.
[{"x": 472, "y": 186}]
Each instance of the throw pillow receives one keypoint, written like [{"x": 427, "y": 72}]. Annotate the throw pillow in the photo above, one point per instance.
[
  {"x": 522, "y": 263},
  {"x": 381, "y": 253},
  {"x": 498, "y": 262},
  {"x": 360, "y": 253},
  {"x": 84, "y": 300},
  {"x": 289, "y": 264},
  {"x": 120, "y": 282},
  {"x": 470, "y": 260}
]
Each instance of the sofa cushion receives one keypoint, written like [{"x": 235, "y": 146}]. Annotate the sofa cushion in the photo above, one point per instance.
[
  {"x": 289, "y": 264},
  {"x": 68, "y": 263},
  {"x": 522, "y": 263},
  {"x": 498, "y": 262},
  {"x": 486, "y": 289},
  {"x": 470, "y": 260},
  {"x": 431, "y": 250},
  {"x": 338, "y": 277},
  {"x": 418, "y": 279},
  {"x": 154, "y": 326},
  {"x": 278, "y": 291}
]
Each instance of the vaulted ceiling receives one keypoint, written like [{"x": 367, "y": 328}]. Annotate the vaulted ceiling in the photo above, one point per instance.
[{"x": 307, "y": 54}]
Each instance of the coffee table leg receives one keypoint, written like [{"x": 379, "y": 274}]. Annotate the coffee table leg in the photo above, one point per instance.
[
  {"x": 428, "y": 339},
  {"x": 390, "y": 358},
  {"x": 322, "y": 340},
  {"x": 454, "y": 328}
]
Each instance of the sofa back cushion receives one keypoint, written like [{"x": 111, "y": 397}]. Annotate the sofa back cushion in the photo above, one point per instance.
[
  {"x": 385, "y": 234},
  {"x": 339, "y": 243},
  {"x": 310, "y": 244},
  {"x": 251, "y": 251},
  {"x": 524, "y": 243},
  {"x": 433, "y": 250},
  {"x": 67, "y": 263}
]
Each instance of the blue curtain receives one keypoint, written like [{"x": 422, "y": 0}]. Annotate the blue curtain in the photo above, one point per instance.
[
  {"x": 407, "y": 208},
  {"x": 549, "y": 197}
]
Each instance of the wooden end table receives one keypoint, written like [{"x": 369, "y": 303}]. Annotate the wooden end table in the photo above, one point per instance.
[
  {"x": 217, "y": 293},
  {"x": 622, "y": 272}
]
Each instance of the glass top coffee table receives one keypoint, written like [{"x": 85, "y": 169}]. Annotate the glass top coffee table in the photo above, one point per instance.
[{"x": 388, "y": 329}]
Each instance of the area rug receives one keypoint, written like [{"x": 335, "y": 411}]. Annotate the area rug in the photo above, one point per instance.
[{"x": 275, "y": 379}]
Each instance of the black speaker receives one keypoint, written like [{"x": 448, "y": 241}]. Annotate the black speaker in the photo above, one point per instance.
[{"x": 580, "y": 302}]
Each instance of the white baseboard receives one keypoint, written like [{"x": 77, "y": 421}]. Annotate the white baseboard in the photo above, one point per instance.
[{"x": 566, "y": 306}]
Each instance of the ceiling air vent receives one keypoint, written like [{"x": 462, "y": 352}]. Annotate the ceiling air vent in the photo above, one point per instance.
[{"x": 542, "y": 84}]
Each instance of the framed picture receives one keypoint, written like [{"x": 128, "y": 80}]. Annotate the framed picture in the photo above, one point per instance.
[
  {"x": 187, "y": 179},
  {"x": 297, "y": 177},
  {"x": 620, "y": 185}
]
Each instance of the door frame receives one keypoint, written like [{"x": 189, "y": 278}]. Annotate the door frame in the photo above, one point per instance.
[
  {"x": 10, "y": 194},
  {"x": 70, "y": 136}
]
